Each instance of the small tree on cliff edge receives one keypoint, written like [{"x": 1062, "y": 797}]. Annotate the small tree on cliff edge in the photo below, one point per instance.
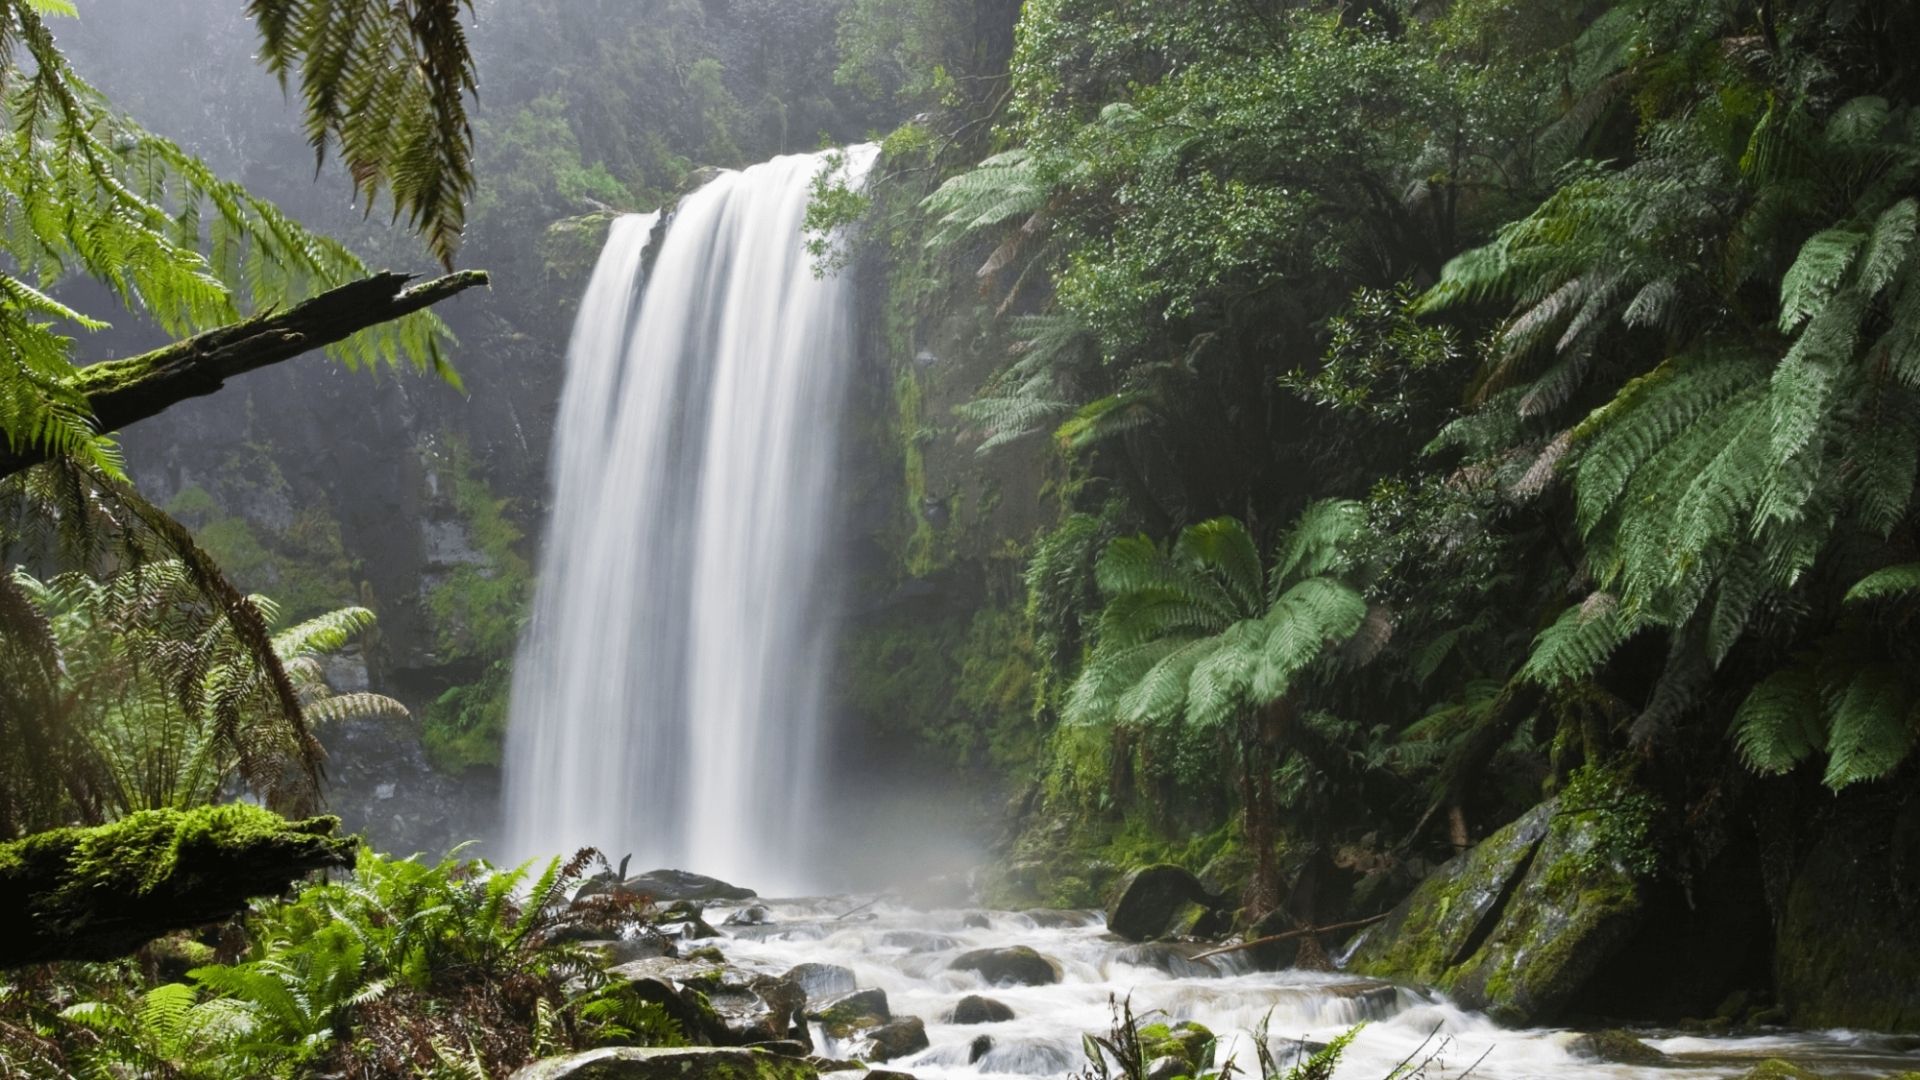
[{"x": 1200, "y": 635}]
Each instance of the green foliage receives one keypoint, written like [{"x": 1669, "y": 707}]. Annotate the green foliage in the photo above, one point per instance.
[
  {"x": 1200, "y": 635},
  {"x": 384, "y": 86},
  {"x": 89, "y": 193},
  {"x": 169, "y": 705},
  {"x": 387, "y": 969},
  {"x": 1376, "y": 351},
  {"x": 476, "y": 610}
]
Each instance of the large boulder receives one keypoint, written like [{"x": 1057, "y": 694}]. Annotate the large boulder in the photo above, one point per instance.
[
  {"x": 1619, "y": 1047},
  {"x": 716, "y": 1003},
  {"x": 822, "y": 981},
  {"x": 1018, "y": 965},
  {"x": 974, "y": 1009},
  {"x": 1155, "y": 901},
  {"x": 670, "y": 1063},
  {"x": 847, "y": 1015},
  {"x": 1441, "y": 923},
  {"x": 1518, "y": 925},
  {"x": 1846, "y": 954},
  {"x": 666, "y": 886},
  {"x": 897, "y": 1039},
  {"x": 681, "y": 885},
  {"x": 1187, "y": 1042}
]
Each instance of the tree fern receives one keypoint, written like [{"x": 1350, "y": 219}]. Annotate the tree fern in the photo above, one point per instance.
[
  {"x": 1886, "y": 583},
  {"x": 1000, "y": 188}
]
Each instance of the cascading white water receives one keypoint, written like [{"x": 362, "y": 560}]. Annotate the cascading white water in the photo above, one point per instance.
[{"x": 667, "y": 696}]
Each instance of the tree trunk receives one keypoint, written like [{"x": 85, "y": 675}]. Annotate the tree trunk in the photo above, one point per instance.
[
  {"x": 121, "y": 392},
  {"x": 1261, "y": 732}
]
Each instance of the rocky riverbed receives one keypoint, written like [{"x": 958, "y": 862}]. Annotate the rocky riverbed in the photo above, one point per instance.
[{"x": 957, "y": 994}]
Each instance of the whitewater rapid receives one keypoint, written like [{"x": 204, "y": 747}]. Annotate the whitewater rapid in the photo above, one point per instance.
[{"x": 907, "y": 952}]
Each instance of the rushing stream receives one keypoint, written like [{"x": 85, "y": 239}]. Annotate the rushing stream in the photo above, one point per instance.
[
  {"x": 669, "y": 687},
  {"x": 907, "y": 953}
]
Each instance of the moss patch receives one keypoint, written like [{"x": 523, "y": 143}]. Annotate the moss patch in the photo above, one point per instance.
[{"x": 94, "y": 893}]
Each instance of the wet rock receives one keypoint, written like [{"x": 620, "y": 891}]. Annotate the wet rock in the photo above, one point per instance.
[
  {"x": 709, "y": 953},
  {"x": 1435, "y": 927},
  {"x": 748, "y": 916},
  {"x": 690, "y": 1011},
  {"x": 1151, "y": 901},
  {"x": 1846, "y": 954},
  {"x": 757, "y": 1009},
  {"x": 980, "y": 1047},
  {"x": 897, "y": 1039},
  {"x": 1619, "y": 1047},
  {"x": 849, "y": 1014},
  {"x": 1166, "y": 1068},
  {"x": 886, "y": 1074},
  {"x": 719, "y": 1004},
  {"x": 1019, "y": 965},
  {"x": 669, "y": 885},
  {"x": 784, "y": 1047},
  {"x": 1187, "y": 1042},
  {"x": 822, "y": 981},
  {"x": 700, "y": 973},
  {"x": 1518, "y": 925},
  {"x": 976, "y": 920},
  {"x": 1575, "y": 907},
  {"x": 974, "y": 1009},
  {"x": 627, "y": 950},
  {"x": 834, "y": 1065},
  {"x": 670, "y": 1063}
]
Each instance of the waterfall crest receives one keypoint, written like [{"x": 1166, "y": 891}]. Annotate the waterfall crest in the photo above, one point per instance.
[{"x": 667, "y": 698}]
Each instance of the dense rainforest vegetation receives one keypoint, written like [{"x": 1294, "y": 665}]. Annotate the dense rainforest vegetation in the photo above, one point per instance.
[{"x": 1439, "y": 465}]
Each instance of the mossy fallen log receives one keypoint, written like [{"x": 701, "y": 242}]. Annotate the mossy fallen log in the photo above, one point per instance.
[{"x": 100, "y": 892}]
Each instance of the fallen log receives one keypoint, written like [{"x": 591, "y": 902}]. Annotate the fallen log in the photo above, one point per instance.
[{"x": 1289, "y": 935}]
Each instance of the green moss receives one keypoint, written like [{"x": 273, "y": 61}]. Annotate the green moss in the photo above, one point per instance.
[
  {"x": 475, "y": 611},
  {"x": 958, "y": 684},
  {"x": 1187, "y": 1041},
  {"x": 570, "y": 247},
  {"x": 102, "y": 891}
]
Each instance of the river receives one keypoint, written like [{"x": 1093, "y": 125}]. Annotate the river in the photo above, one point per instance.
[{"x": 907, "y": 953}]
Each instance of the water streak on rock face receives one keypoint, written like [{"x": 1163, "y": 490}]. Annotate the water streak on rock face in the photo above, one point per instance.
[{"x": 667, "y": 696}]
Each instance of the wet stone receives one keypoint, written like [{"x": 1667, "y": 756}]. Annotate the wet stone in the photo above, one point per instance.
[{"x": 974, "y": 1009}]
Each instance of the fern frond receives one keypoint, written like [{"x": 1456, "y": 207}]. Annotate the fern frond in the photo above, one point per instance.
[
  {"x": 1779, "y": 724},
  {"x": 1888, "y": 582}
]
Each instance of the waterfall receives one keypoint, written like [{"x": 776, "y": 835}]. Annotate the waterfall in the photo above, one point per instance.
[{"x": 667, "y": 698}]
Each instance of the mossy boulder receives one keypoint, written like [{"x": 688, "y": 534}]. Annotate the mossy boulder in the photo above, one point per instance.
[
  {"x": 1619, "y": 1047},
  {"x": 1154, "y": 901},
  {"x": 1440, "y": 924},
  {"x": 1518, "y": 925},
  {"x": 974, "y": 1009},
  {"x": 849, "y": 1014},
  {"x": 895, "y": 1039},
  {"x": 1846, "y": 954},
  {"x": 670, "y": 1063},
  {"x": 1017, "y": 965},
  {"x": 1188, "y": 1042}
]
